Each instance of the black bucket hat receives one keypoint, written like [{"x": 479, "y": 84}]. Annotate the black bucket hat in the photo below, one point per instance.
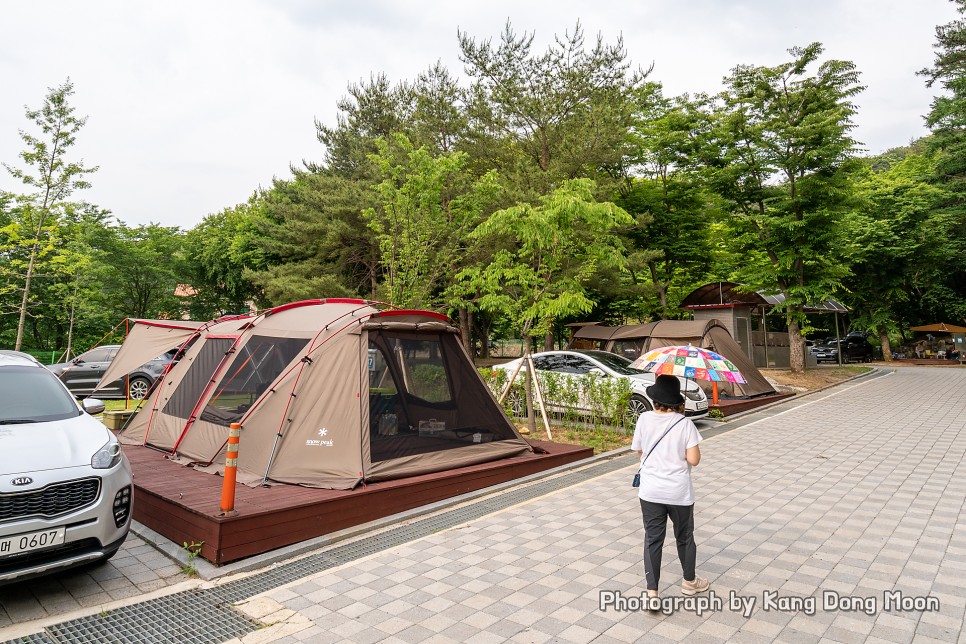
[{"x": 666, "y": 390}]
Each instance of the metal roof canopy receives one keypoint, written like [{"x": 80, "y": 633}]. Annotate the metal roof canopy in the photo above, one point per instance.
[{"x": 726, "y": 294}]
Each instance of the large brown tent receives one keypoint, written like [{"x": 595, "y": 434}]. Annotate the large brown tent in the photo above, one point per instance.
[
  {"x": 329, "y": 393},
  {"x": 632, "y": 340}
]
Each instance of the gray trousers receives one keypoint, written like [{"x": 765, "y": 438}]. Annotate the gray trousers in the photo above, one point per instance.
[{"x": 655, "y": 528}]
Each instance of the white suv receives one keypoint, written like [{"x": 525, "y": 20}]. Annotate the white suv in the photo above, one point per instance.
[{"x": 65, "y": 486}]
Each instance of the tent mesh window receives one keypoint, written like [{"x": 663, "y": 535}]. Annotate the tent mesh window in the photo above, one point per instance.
[
  {"x": 630, "y": 349},
  {"x": 255, "y": 367},
  {"x": 414, "y": 382},
  {"x": 185, "y": 397}
]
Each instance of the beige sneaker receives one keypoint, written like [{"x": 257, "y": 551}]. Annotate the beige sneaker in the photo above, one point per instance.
[
  {"x": 697, "y": 585},
  {"x": 653, "y": 601}
]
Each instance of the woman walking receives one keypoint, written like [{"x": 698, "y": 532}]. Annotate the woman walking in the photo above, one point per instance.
[{"x": 667, "y": 443}]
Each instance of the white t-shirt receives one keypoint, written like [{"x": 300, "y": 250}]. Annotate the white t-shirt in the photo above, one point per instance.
[{"x": 665, "y": 475}]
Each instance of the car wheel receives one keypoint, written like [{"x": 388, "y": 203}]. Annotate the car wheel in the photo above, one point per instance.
[
  {"x": 637, "y": 406},
  {"x": 138, "y": 388},
  {"x": 516, "y": 403}
]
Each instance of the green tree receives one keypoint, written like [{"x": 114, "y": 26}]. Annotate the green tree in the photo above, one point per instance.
[
  {"x": 427, "y": 208},
  {"x": 947, "y": 120},
  {"x": 566, "y": 112},
  {"x": 218, "y": 251},
  {"x": 547, "y": 254},
  {"x": 783, "y": 159},
  {"x": 141, "y": 269},
  {"x": 50, "y": 175},
  {"x": 670, "y": 244},
  {"x": 893, "y": 247},
  {"x": 311, "y": 240}
]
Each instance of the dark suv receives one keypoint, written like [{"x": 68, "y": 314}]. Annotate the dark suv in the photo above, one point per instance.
[
  {"x": 83, "y": 373},
  {"x": 855, "y": 347}
]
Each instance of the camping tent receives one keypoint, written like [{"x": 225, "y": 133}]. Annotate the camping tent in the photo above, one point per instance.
[
  {"x": 329, "y": 393},
  {"x": 632, "y": 340}
]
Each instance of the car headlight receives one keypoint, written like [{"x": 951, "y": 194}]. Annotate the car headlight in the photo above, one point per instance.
[
  {"x": 107, "y": 456},
  {"x": 695, "y": 394}
]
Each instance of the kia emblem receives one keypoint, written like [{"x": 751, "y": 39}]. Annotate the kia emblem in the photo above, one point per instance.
[{"x": 22, "y": 480}]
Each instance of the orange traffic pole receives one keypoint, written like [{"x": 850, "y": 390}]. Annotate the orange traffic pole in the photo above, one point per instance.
[
  {"x": 714, "y": 392},
  {"x": 231, "y": 470}
]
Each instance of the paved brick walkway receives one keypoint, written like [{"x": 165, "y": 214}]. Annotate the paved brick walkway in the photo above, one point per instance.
[
  {"x": 137, "y": 568},
  {"x": 859, "y": 491}
]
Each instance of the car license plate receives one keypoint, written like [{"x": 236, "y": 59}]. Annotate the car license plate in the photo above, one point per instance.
[{"x": 32, "y": 541}]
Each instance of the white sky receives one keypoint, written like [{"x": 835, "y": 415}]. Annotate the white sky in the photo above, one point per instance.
[{"x": 192, "y": 106}]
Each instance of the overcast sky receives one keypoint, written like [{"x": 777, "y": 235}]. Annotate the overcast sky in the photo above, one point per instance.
[{"x": 192, "y": 106}]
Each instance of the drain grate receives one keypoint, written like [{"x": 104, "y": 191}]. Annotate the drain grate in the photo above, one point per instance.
[
  {"x": 205, "y": 617},
  {"x": 188, "y": 617},
  {"x": 36, "y": 638}
]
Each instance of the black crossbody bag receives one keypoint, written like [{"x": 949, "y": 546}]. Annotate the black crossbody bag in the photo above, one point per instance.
[{"x": 637, "y": 477}]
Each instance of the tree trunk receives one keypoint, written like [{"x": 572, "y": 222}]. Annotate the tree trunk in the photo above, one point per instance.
[
  {"x": 26, "y": 295},
  {"x": 796, "y": 348},
  {"x": 466, "y": 331},
  {"x": 548, "y": 342},
  {"x": 528, "y": 387},
  {"x": 886, "y": 347}
]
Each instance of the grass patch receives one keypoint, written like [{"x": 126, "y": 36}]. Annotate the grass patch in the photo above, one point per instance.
[{"x": 600, "y": 439}]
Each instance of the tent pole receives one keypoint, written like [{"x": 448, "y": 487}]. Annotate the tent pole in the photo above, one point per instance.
[
  {"x": 532, "y": 372},
  {"x": 838, "y": 340},
  {"x": 764, "y": 335},
  {"x": 510, "y": 382}
]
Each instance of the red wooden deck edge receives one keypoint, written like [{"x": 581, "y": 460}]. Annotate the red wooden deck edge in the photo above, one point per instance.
[{"x": 182, "y": 504}]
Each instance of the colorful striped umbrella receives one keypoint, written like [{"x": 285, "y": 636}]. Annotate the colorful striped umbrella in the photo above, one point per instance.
[{"x": 690, "y": 362}]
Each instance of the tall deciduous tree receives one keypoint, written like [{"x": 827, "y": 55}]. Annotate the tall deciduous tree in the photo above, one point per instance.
[
  {"x": 783, "y": 158},
  {"x": 894, "y": 248},
  {"x": 670, "y": 243},
  {"x": 49, "y": 174},
  {"x": 427, "y": 208},
  {"x": 548, "y": 253},
  {"x": 142, "y": 268},
  {"x": 947, "y": 120},
  {"x": 218, "y": 252}
]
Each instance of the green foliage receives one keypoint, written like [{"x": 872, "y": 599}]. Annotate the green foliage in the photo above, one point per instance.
[
  {"x": 564, "y": 113},
  {"x": 192, "y": 549},
  {"x": 217, "y": 252},
  {"x": 52, "y": 179},
  {"x": 428, "y": 205},
  {"x": 547, "y": 187},
  {"x": 604, "y": 400},
  {"x": 548, "y": 253},
  {"x": 781, "y": 155}
]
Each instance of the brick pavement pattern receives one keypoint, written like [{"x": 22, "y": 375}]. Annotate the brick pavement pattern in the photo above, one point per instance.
[{"x": 856, "y": 490}]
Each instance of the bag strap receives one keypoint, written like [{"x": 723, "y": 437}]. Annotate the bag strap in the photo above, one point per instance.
[{"x": 659, "y": 440}]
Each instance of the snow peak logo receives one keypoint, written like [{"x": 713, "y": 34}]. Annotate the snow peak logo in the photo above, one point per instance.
[{"x": 322, "y": 441}]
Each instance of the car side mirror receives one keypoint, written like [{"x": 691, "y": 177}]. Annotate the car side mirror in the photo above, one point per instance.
[
  {"x": 77, "y": 361},
  {"x": 93, "y": 406}
]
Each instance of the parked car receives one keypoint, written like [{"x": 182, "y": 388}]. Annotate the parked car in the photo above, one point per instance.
[
  {"x": 65, "y": 484},
  {"x": 855, "y": 347},
  {"x": 579, "y": 362},
  {"x": 83, "y": 373}
]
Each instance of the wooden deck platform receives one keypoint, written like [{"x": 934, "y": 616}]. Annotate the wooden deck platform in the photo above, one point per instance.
[
  {"x": 183, "y": 504},
  {"x": 732, "y": 406}
]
